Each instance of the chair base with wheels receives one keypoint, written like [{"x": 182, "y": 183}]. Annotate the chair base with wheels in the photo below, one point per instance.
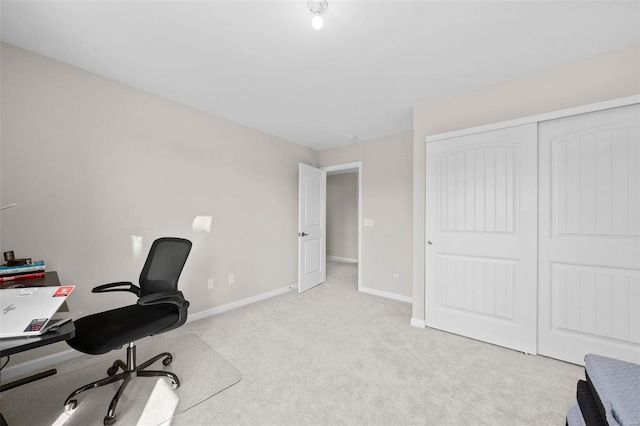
[
  {"x": 160, "y": 307},
  {"x": 129, "y": 371}
]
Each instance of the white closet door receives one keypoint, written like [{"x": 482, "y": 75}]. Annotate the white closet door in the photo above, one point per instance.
[
  {"x": 589, "y": 257},
  {"x": 482, "y": 226}
]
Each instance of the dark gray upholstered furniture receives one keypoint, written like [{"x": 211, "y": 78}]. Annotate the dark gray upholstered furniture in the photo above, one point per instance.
[{"x": 160, "y": 307}]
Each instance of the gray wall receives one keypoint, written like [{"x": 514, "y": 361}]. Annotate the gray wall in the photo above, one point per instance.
[
  {"x": 609, "y": 76},
  {"x": 94, "y": 164},
  {"x": 342, "y": 215},
  {"x": 386, "y": 198}
]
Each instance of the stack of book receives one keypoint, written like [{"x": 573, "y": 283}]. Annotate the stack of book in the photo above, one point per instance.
[{"x": 22, "y": 272}]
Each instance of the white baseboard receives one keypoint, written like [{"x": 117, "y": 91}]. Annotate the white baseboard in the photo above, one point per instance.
[
  {"x": 418, "y": 323},
  {"x": 388, "y": 295},
  {"x": 238, "y": 303},
  {"x": 50, "y": 360},
  {"x": 342, "y": 259}
]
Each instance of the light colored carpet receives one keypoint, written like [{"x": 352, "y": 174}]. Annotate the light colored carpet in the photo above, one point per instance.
[
  {"x": 146, "y": 401},
  {"x": 334, "y": 356}
]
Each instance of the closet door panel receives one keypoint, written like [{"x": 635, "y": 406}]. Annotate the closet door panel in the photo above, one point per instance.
[
  {"x": 589, "y": 235},
  {"x": 481, "y": 221}
]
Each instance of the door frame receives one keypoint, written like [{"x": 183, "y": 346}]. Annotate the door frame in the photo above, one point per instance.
[
  {"x": 538, "y": 118},
  {"x": 348, "y": 168}
]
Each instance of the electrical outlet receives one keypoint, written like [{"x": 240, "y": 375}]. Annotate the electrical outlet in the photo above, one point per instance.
[
  {"x": 232, "y": 279},
  {"x": 210, "y": 283},
  {"x": 396, "y": 273}
]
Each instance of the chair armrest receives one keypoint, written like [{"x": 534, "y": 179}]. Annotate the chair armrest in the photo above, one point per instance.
[
  {"x": 173, "y": 298},
  {"x": 119, "y": 286}
]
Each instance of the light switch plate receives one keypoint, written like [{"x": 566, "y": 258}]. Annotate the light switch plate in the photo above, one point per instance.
[{"x": 368, "y": 222}]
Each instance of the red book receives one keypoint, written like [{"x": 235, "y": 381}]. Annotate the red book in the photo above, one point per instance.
[{"x": 22, "y": 276}]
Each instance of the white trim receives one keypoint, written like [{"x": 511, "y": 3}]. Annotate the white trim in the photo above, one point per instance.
[
  {"x": 583, "y": 109},
  {"x": 342, "y": 259},
  {"x": 50, "y": 360},
  {"x": 348, "y": 166},
  {"x": 343, "y": 167},
  {"x": 239, "y": 303},
  {"x": 424, "y": 241},
  {"x": 386, "y": 294},
  {"x": 418, "y": 323}
]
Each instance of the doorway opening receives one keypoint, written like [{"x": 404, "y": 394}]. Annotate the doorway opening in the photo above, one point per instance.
[{"x": 344, "y": 218}]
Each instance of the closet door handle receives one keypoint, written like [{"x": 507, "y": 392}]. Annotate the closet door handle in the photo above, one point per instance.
[
  {"x": 429, "y": 242},
  {"x": 302, "y": 234}
]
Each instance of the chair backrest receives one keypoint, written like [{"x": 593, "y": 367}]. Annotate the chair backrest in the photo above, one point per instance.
[{"x": 164, "y": 264}]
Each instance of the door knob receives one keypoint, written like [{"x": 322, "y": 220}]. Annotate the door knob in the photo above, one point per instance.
[
  {"x": 429, "y": 242},
  {"x": 302, "y": 234}
]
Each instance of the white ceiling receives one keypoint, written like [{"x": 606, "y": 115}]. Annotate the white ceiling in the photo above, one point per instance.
[{"x": 262, "y": 65}]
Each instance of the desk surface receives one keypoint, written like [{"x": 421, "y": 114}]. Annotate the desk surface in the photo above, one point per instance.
[{"x": 14, "y": 345}]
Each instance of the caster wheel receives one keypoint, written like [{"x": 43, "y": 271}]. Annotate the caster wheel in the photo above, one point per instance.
[
  {"x": 112, "y": 370},
  {"x": 71, "y": 405},
  {"x": 175, "y": 385},
  {"x": 167, "y": 360},
  {"x": 108, "y": 421}
]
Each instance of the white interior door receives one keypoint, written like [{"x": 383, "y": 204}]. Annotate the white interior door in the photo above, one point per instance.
[
  {"x": 312, "y": 188},
  {"x": 482, "y": 229},
  {"x": 590, "y": 235}
]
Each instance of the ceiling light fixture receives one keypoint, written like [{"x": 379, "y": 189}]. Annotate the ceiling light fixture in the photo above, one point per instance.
[{"x": 317, "y": 7}]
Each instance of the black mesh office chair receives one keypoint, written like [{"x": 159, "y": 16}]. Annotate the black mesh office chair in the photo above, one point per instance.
[{"x": 161, "y": 307}]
